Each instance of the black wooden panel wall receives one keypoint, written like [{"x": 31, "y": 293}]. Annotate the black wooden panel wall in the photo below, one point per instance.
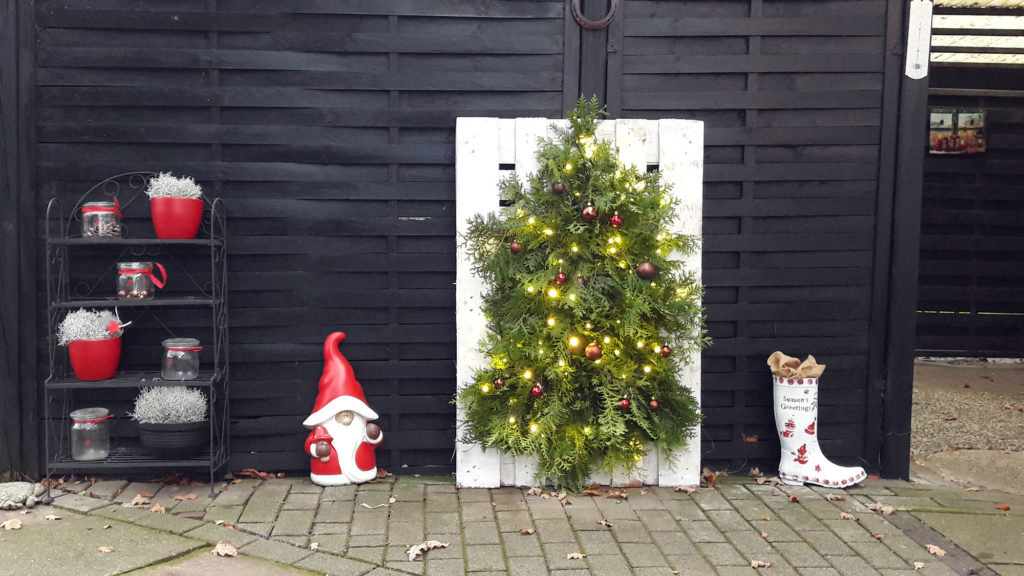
[
  {"x": 791, "y": 94},
  {"x": 970, "y": 301},
  {"x": 329, "y": 130}
]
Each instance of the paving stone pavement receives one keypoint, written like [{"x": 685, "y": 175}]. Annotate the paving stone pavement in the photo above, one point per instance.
[{"x": 298, "y": 527}]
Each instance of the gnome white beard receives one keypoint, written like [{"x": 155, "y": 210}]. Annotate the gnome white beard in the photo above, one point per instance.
[{"x": 347, "y": 440}]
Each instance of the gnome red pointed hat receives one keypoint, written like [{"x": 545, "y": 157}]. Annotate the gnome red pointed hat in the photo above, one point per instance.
[{"x": 339, "y": 389}]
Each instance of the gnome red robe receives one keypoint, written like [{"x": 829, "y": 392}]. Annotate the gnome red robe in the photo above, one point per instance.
[{"x": 342, "y": 442}]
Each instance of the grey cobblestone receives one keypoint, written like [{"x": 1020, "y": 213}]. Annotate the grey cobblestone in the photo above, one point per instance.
[
  {"x": 643, "y": 555},
  {"x": 728, "y": 520},
  {"x": 658, "y": 520},
  {"x": 800, "y": 555},
  {"x": 721, "y": 554},
  {"x": 631, "y": 531},
  {"x": 703, "y": 532},
  {"x": 484, "y": 557}
]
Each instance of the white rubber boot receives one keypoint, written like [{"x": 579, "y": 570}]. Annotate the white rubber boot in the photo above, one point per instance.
[{"x": 796, "y": 417}]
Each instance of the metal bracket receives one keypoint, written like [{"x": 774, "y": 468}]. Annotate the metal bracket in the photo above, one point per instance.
[{"x": 589, "y": 24}]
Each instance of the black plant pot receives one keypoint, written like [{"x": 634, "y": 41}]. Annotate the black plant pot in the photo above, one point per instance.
[{"x": 172, "y": 441}]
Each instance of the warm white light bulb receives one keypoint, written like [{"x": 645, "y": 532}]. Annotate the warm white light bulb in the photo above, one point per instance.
[
  {"x": 574, "y": 341},
  {"x": 647, "y": 369},
  {"x": 551, "y": 321},
  {"x": 527, "y": 374},
  {"x": 511, "y": 419}
]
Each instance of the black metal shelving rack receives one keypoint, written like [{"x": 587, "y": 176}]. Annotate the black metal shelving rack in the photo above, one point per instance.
[{"x": 63, "y": 293}]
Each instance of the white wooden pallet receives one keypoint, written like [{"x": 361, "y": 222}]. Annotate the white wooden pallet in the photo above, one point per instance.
[{"x": 482, "y": 146}]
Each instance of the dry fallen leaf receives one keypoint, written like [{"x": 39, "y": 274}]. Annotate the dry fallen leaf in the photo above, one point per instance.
[
  {"x": 918, "y": 566},
  {"x": 750, "y": 438},
  {"x": 546, "y": 496},
  {"x": 225, "y": 549},
  {"x": 766, "y": 518},
  {"x": 794, "y": 498},
  {"x": 834, "y": 497},
  {"x": 392, "y": 500},
  {"x": 51, "y": 517},
  {"x": 158, "y": 509},
  {"x": 686, "y": 489},
  {"x": 972, "y": 489},
  {"x": 417, "y": 550},
  {"x": 773, "y": 481},
  {"x": 575, "y": 556},
  {"x": 145, "y": 494},
  {"x": 644, "y": 491},
  {"x": 933, "y": 549},
  {"x": 535, "y": 491},
  {"x": 947, "y": 449},
  {"x": 382, "y": 473},
  {"x": 876, "y": 535},
  {"x": 764, "y": 534},
  {"x": 882, "y": 509},
  {"x": 847, "y": 516},
  {"x": 314, "y": 546},
  {"x": 619, "y": 493},
  {"x": 183, "y": 497},
  {"x": 1003, "y": 507},
  {"x": 755, "y": 471},
  {"x": 12, "y": 524},
  {"x": 761, "y": 564},
  {"x": 140, "y": 500},
  {"x": 592, "y": 492},
  {"x": 527, "y": 531},
  {"x": 605, "y": 523},
  {"x": 106, "y": 549},
  {"x": 708, "y": 478}
]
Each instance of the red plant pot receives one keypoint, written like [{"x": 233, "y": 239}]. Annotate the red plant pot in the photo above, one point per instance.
[
  {"x": 176, "y": 217},
  {"x": 95, "y": 359}
]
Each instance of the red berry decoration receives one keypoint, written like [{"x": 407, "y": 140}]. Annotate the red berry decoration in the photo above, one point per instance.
[
  {"x": 665, "y": 351},
  {"x": 615, "y": 220},
  {"x": 646, "y": 270},
  {"x": 536, "y": 390},
  {"x": 515, "y": 247},
  {"x": 589, "y": 213},
  {"x": 653, "y": 404},
  {"x": 560, "y": 278},
  {"x": 624, "y": 402},
  {"x": 499, "y": 382},
  {"x": 594, "y": 351},
  {"x": 558, "y": 188}
]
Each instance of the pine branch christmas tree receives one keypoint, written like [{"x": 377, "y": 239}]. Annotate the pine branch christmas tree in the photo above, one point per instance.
[{"x": 589, "y": 313}]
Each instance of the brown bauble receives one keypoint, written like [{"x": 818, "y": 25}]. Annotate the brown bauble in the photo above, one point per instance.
[
  {"x": 646, "y": 270},
  {"x": 558, "y": 188},
  {"x": 515, "y": 247},
  {"x": 665, "y": 351},
  {"x": 594, "y": 351},
  {"x": 653, "y": 404},
  {"x": 589, "y": 213},
  {"x": 560, "y": 278},
  {"x": 498, "y": 382},
  {"x": 372, "y": 431}
]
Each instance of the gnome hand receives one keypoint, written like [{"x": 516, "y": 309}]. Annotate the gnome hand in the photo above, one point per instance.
[
  {"x": 372, "y": 431},
  {"x": 323, "y": 450}
]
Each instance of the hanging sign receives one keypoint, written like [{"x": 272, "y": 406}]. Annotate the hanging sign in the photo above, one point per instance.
[{"x": 919, "y": 39}]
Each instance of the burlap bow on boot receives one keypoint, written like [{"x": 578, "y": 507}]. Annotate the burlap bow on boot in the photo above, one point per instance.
[{"x": 789, "y": 367}]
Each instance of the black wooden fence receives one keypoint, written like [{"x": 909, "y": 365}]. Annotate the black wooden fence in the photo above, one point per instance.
[
  {"x": 972, "y": 244},
  {"x": 329, "y": 130}
]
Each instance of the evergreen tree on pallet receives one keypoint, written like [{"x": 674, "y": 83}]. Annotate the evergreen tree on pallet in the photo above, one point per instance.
[{"x": 589, "y": 313}]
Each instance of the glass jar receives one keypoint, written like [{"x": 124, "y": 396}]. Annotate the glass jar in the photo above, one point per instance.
[
  {"x": 90, "y": 434},
  {"x": 101, "y": 220},
  {"x": 181, "y": 359},
  {"x": 136, "y": 280}
]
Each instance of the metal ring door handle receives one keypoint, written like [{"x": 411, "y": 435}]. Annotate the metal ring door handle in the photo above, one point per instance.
[{"x": 589, "y": 24}]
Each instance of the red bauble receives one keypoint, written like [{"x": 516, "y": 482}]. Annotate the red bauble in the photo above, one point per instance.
[
  {"x": 536, "y": 390},
  {"x": 594, "y": 351},
  {"x": 589, "y": 213},
  {"x": 560, "y": 278},
  {"x": 624, "y": 402},
  {"x": 646, "y": 270},
  {"x": 558, "y": 188},
  {"x": 653, "y": 404},
  {"x": 515, "y": 247},
  {"x": 498, "y": 382},
  {"x": 615, "y": 220},
  {"x": 665, "y": 351}
]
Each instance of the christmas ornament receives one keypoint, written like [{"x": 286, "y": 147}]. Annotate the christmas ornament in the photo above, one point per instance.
[
  {"x": 665, "y": 351},
  {"x": 589, "y": 213},
  {"x": 342, "y": 440},
  {"x": 515, "y": 247},
  {"x": 536, "y": 390},
  {"x": 653, "y": 404},
  {"x": 615, "y": 220},
  {"x": 646, "y": 270},
  {"x": 580, "y": 279},
  {"x": 594, "y": 351},
  {"x": 624, "y": 403},
  {"x": 498, "y": 382},
  {"x": 558, "y": 188},
  {"x": 560, "y": 278}
]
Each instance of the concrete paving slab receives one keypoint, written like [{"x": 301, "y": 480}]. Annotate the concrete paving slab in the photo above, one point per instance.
[
  {"x": 71, "y": 545},
  {"x": 203, "y": 562},
  {"x": 995, "y": 540}
]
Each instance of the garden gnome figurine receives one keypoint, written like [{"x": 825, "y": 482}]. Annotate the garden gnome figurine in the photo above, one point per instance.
[
  {"x": 796, "y": 418},
  {"x": 343, "y": 439}
]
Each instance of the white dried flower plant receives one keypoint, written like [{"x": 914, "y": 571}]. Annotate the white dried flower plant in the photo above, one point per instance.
[
  {"x": 85, "y": 324},
  {"x": 169, "y": 405},
  {"x": 166, "y": 185}
]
